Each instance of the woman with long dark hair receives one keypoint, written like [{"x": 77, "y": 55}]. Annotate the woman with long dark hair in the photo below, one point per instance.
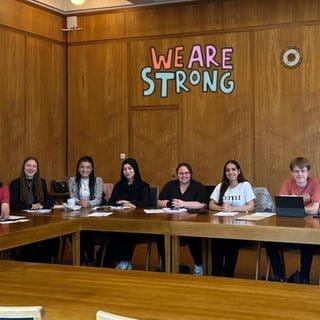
[
  {"x": 85, "y": 187},
  {"x": 29, "y": 192},
  {"x": 87, "y": 190},
  {"x": 234, "y": 193},
  {"x": 131, "y": 191}
]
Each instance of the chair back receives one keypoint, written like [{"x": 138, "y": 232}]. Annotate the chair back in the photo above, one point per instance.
[
  {"x": 263, "y": 202},
  {"x": 209, "y": 189},
  {"x": 102, "y": 315},
  {"x": 154, "y": 190},
  {"x": 107, "y": 190},
  {"x": 22, "y": 313}
]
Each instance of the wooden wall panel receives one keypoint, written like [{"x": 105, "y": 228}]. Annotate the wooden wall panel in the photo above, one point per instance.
[
  {"x": 257, "y": 13},
  {"x": 216, "y": 126},
  {"x": 26, "y": 18},
  {"x": 211, "y": 122},
  {"x": 154, "y": 138},
  {"x": 97, "y": 101},
  {"x": 287, "y": 107},
  {"x": 45, "y": 117},
  {"x": 12, "y": 88},
  {"x": 246, "y": 125},
  {"x": 110, "y": 25},
  {"x": 194, "y": 18},
  {"x": 177, "y": 19}
]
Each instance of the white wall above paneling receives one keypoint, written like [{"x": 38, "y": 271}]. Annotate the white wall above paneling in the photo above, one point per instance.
[{"x": 66, "y": 7}]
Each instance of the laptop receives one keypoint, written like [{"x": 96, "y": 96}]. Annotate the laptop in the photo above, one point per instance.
[{"x": 289, "y": 206}]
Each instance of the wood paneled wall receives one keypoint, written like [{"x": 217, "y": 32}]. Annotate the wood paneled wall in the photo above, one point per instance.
[
  {"x": 270, "y": 118},
  {"x": 32, "y": 90}
]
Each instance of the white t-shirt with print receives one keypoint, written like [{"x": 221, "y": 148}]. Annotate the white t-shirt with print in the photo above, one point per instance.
[{"x": 241, "y": 194}]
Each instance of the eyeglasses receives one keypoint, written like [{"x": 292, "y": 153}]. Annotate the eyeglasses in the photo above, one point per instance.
[{"x": 183, "y": 173}]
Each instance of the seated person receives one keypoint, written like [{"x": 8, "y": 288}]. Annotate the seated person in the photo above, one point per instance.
[
  {"x": 4, "y": 201},
  {"x": 234, "y": 193},
  {"x": 185, "y": 192},
  {"x": 87, "y": 190},
  {"x": 131, "y": 191},
  {"x": 29, "y": 191},
  {"x": 300, "y": 184}
]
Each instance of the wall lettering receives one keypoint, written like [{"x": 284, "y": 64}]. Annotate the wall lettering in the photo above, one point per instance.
[{"x": 203, "y": 67}]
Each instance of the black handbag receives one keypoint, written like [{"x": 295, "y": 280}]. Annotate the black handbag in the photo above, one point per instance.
[{"x": 59, "y": 186}]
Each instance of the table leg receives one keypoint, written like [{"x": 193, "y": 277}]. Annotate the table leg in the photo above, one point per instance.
[
  {"x": 175, "y": 253},
  {"x": 76, "y": 248},
  {"x": 167, "y": 246}
]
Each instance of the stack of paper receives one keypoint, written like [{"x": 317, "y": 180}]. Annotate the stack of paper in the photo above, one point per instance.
[
  {"x": 256, "y": 216},
  {"x": 13, "y": 219},
  {"x": 38, "y": 211}
]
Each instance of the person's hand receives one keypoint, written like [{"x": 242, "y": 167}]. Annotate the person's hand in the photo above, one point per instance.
[
  {"x": 226, "y": 207},
  {"x": 177, "y": 203},
  {"x": 306, "y": 198},
  {"x": 36, "y": 206},
  {"x": 5, "y": 211},
  {"x": 84, "y": 203},
  {"x": 126, "y": 203}
]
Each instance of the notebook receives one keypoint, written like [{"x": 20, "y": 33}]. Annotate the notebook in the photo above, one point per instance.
[{"x": 289, "y": 206}]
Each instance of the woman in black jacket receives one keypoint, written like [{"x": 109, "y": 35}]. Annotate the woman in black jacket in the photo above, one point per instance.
[
  {"x": 131, "y": 192},
  {"x": 29, "y": 192}
]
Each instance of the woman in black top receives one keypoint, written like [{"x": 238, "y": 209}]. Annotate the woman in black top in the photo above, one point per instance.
[
  {"x": 131, "y": 192},
  {"x": 185, "y": 192},
  {"x": 29, "y": 192}
]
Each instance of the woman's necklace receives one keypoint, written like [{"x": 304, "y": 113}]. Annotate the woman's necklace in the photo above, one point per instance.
[{"x": 29, "y": 183}]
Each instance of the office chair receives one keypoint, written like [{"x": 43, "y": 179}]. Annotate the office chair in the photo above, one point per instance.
[{"x": 263, "y": 203}]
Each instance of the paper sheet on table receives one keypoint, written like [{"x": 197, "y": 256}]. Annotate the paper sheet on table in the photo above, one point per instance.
[
  {"x": 14, "y": 219},
  {"x": 226, "y": 214},
  {"x": 118, "y": 208},
  {"x": 99, "y": 214},
  {"x": 153, "y": 211},
  {"x": 72, "y": 208},
  {"x": 58, "y": 206},
  {"x": 97, "y": 208},
  {"x": 38, "y": 211},
  {"x": 256, "y": 216},
  {"x": 174, "y": 210}
]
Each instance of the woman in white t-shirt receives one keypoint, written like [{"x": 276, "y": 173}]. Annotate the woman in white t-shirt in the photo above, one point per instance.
[{"x": 234, "y": 193}]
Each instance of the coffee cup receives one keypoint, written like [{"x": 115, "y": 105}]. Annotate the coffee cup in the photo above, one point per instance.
[{"x": 71, "y": 202}]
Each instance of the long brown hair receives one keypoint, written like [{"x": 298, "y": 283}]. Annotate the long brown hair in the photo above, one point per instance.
[
  {"x": 37, "y": 185},
  {"x": 225, "y": 180}
]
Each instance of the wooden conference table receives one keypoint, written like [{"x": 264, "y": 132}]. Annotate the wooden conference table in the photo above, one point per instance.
[
  {"x": 171, "y": 226},
  {"x": 276, "y": 229},
  {"x": 76, "y": 293},
  {"x": 40, "y": 227}
]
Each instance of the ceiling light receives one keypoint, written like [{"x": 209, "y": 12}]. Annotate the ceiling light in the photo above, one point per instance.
[{"x": 77, "y": 2}]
